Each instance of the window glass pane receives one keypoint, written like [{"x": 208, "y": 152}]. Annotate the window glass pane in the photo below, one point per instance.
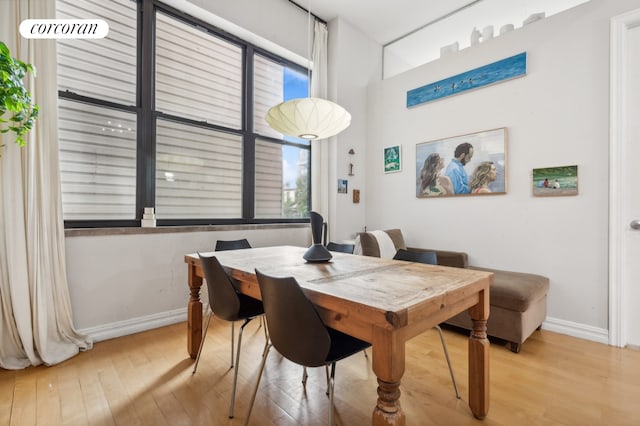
[
  {"x": 97, "y": 162},
  {"x": 274, "y": 83},
  {"x": 198, "y": 75},
  {"x": 100, "y": 68},
  {"x": 282, "y": 181},
  {"x": 198, "y": 172}
]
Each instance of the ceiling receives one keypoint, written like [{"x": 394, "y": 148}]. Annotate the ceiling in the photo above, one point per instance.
[{"x": 384, "y": 20}]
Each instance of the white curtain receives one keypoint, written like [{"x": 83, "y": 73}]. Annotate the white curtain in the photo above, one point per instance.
[
  {"x": 320, "y": 151},
  {"x": 35, "y": 321}
]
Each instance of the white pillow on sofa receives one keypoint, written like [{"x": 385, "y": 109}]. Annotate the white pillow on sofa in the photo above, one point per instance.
[{"x": 383, "y": 244}]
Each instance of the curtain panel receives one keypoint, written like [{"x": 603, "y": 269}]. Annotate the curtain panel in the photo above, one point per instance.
[
  {"x": 320, "y": 148},
  {"x": 36, "y": 319}
]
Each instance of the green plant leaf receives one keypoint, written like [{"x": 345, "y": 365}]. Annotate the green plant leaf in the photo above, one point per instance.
[
  {"x": 17, "y": 117},
  {"x": 14, "y": 98}
]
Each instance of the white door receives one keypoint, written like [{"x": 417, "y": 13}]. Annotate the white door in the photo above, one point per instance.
[{"x": 625, "y": 182}]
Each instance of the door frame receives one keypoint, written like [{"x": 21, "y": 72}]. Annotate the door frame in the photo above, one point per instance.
[{"x": 618, "y": 312}]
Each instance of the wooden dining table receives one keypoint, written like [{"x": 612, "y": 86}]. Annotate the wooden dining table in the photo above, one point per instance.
[{"x": 384, "y": 302}]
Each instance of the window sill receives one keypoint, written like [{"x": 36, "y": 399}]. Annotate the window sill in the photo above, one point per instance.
[{"x": 87, "y": 232}]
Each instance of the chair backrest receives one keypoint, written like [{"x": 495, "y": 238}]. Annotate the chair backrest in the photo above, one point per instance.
[
  {"x": 223, "y": 296},
  {"x": 222, "y": 245},
  {"x": 417, "y": 256},
  {"x": 343, "y": 248},
  {"x": 295, "y": 328}
]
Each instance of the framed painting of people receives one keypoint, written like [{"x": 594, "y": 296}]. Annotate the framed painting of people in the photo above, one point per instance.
[
  {"x": 471, "y": 164},
  {"x": 555, "y": 181}
]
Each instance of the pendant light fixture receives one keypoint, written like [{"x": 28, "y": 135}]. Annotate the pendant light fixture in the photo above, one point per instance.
[{"x": 308, "y": 118}]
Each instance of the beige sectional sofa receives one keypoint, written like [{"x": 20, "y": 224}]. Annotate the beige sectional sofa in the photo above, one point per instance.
[{"x": 518, "y": 300}]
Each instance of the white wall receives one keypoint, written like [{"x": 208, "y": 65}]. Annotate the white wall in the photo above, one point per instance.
[
  {"x": 280, "y": 23},
  {"x": 355, "y": 61},
  {"x": 120, "y": 284},
  {"x": 556, "y": 115}
]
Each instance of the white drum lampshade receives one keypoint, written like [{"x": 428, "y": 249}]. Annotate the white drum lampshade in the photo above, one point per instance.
[{"x": 308, "y": 118}]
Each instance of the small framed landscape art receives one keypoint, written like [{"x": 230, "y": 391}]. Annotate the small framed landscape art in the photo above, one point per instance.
[
  {"x": 392, "y": 159},
  {"x": 471, "y": 164},
  {"x": 555, "y": 181}
]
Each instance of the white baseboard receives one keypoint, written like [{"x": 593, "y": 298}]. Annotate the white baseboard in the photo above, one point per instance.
[
  {"x": 575, "y": 329},
  {"x": 134, "y": 325}
]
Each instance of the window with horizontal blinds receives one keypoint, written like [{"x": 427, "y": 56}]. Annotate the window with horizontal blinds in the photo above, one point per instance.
[
  {"x": 167, "y": 111},
  {"x": 100, "y": 68},
  {"x": 198, "y": 75},
  {"x": 198, "y": 172},
  {"x": 97, "y": 161}
]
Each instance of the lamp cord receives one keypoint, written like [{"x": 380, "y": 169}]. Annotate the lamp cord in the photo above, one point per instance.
[{"x": 309, "y": 49}]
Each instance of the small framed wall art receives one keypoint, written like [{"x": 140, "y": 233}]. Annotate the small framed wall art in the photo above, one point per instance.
[
  {"x": 555, "y": 181},
  {"x": 342, "y": 186},
  {"x": 392, "y": 159}
]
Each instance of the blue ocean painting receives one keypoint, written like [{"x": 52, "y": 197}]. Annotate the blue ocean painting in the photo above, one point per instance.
[{"x": 505, "y": 69}]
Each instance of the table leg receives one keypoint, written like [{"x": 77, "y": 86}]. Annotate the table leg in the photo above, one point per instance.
[
  {"x": 479, "y": 358},
  {"x": 388, "y": 365},
  {"x": 194, "y": 314}
]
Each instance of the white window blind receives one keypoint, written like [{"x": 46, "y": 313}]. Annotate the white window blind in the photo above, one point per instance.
[
  {"x": 198, "y": 172},
  {"x": 198, "y": 75},
  {"x": 100, "y": 68},
  {"x": 269, "y": 194},
  {"x": 98, "y": 144},
  {"x": 97, "y": 162},
  {"x": 268, "y": 82}
]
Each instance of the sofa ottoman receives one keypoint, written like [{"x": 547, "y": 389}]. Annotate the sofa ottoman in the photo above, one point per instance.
[{"x": 518, "y": 306}]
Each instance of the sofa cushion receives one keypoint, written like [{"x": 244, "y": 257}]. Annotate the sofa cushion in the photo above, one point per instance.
[
  {"x": 515, "y": 290},
  {"x": 379, "y": 243}
]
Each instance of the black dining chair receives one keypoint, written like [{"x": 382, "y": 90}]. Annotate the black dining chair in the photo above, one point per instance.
[
  {"x": 222, "y": 245},
  {"x": 298, "y": 333},
  {"x": 227, "y": 304},
  {"x": 430, "y": 258},
  {"x": 342, "y": 248}
]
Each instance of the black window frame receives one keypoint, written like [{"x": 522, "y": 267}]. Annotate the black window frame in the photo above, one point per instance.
[{"x": 146, "y": 116}]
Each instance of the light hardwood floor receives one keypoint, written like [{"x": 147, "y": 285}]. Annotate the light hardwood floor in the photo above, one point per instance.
[{"x": 145, "y": 379}]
